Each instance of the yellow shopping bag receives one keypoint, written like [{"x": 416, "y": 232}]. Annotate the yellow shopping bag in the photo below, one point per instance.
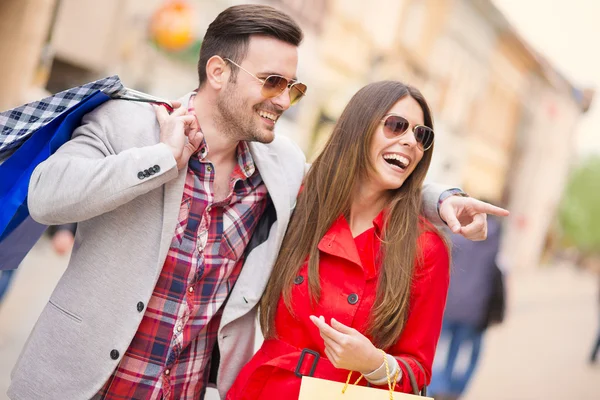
[{"x": 316, "y": 389}]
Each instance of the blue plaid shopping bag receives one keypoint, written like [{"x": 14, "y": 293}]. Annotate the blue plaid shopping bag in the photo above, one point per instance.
[{"x": 31, "y": 133}]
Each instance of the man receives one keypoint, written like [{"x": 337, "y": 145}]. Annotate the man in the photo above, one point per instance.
[
  {"x": 155, "y": 300},
  {"x": 476, "y": 301}
]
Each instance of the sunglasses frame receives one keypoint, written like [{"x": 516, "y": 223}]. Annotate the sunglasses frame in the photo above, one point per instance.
[
  {"x": 385, "y": 118},
  {"x": 290, "y": 83}
]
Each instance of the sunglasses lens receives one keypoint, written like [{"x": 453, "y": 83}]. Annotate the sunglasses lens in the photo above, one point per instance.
[
  {"x": 395, "y": 125},
  {"x": 273, "y": 86},
  {"x": 297, "y": 91},
  {"x": 424, "y": 135}
]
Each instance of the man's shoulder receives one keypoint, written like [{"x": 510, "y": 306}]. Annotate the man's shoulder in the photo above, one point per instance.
[
  {"x": 285, "y": 146},
  {"x": 123, "y": 124},
  {"x": 291, "y": 158},
  {"x": 122, "y": 111}
]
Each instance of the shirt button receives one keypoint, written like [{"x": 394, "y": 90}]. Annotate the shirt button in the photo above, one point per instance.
[
  {"x": 299, "y": 279},
  {"x": 209, "y": 168},
  {"x": 179, "y": 328},
  {"x": 114, "y": 354},
  {"x": 191, "y": 289},
  {"x": 353, "y": 298},
  {"x": 167, "y": 371},
  {"x": 140, "y": 306}
]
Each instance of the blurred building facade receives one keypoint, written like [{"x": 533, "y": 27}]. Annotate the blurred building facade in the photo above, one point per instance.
[
  {"x": 23, "y": 33},
  {"x": 504, "y": 117}
]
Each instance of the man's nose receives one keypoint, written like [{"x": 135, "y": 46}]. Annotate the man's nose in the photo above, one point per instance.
[{"x": 282, "y": 100}]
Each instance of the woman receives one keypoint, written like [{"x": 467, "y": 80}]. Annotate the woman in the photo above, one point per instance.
[{"x": 359, "y": 269}]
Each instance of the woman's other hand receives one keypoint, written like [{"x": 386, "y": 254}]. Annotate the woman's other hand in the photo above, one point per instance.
[{"x": 346, "y": 348}]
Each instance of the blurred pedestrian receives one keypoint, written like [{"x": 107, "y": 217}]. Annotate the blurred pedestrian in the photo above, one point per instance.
[
  {"x": 476, "y": 300},
  {"x": 5, "y": 280},
  {"x": 596, "y": 346},
  {"x": 63, "y": 237}
]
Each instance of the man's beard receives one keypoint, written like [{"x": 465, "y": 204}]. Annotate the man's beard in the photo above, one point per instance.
[{"x": 234, "y": 121}]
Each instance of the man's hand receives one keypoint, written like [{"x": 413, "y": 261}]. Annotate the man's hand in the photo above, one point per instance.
[
  {"x": 180, "y": 132},
  {"x": 347, "y": 348},
  {"x": 468, "y": 216}
]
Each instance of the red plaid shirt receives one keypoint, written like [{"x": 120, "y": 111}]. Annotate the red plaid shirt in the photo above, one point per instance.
[{"x": 169, "y": 356}]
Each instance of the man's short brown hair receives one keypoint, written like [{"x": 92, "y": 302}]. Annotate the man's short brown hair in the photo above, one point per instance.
[{"x": 229, "y": 34}]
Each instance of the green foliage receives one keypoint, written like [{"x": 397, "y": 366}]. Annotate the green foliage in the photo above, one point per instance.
[
  {"x": 579, "y": 214},
  {"x": 189, "y": 55}
]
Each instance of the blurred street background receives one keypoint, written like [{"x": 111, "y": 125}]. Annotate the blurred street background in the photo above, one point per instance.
[{"x": 512, "y": 87}]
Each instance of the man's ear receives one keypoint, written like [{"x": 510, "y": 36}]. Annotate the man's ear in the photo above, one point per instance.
[{"x": 217, "y": 72}]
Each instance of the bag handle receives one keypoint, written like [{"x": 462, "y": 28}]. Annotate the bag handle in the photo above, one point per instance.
[
  {"x": 134, "y": 95},
  {"x": 411, "y": 376},
  {"x": 387, "y": 372}
]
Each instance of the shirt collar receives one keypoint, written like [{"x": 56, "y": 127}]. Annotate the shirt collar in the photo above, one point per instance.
[{"x": 245, "y": 160}]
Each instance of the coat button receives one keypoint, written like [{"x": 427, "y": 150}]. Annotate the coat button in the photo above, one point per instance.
[
  {"x": 151, "y": 171},
  {"x": 140, "y": 306},
  {"x": 156, "y": 169},
  {"x": 114, "y": 354},
  {"x": 146, "y": 173},
  {"x": 141, "y": 175},
  {"x": 299, "y": 279},
  {"x": 353, "y": 298}
]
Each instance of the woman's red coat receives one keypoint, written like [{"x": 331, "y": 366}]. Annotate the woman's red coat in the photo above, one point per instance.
[{"x": 347, "y": 269}]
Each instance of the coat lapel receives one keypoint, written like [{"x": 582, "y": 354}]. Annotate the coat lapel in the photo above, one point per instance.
[
  {"x": 271, "y": 172},
  {"x": 173, "y": 193},
  {"x": 258, "y": 266}
]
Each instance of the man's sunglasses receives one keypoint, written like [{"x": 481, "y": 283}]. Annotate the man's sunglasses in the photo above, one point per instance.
[
  {"x": 274, "y": 85},
  {"x": 395, "y": 126}
]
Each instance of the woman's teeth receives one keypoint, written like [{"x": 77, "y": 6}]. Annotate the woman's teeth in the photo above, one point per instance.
[{"x": 397, "y": 159}]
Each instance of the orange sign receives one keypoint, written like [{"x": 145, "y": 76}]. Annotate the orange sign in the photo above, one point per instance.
[{"x": 172, "y": 25}]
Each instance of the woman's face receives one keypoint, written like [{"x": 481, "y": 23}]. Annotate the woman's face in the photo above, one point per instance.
[{"x": 395, "y": 157}]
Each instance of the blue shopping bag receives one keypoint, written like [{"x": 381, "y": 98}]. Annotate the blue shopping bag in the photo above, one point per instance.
[
  {"x": 16, "y": 172},
  {"x": 29, "y": 135}
]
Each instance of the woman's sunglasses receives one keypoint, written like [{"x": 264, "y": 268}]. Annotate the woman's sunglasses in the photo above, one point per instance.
[
  {"x": 395, "y": 126},
  {"x": 274, "y": 85}
]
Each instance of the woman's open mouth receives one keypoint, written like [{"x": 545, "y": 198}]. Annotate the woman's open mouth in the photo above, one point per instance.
[{"x": 397, "y": 161}]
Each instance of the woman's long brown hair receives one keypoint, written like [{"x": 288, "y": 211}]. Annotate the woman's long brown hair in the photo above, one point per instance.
[{"x": 328, "y": 192}]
